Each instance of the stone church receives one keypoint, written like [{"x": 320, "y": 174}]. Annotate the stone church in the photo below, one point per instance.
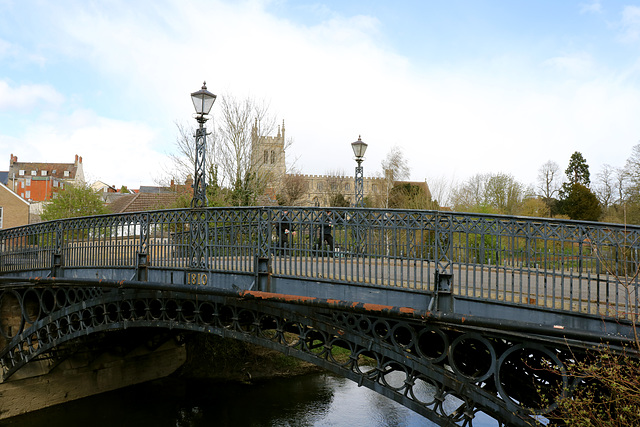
[{"x": 268, "y": 157}]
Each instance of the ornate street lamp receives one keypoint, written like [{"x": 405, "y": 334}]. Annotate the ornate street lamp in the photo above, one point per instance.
[
  {"x": 202, "y": 101},
  {"x": 359, "y": 148}
]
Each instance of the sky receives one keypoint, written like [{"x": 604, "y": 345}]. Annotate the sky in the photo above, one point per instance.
[{"x": 460, "y": 86}]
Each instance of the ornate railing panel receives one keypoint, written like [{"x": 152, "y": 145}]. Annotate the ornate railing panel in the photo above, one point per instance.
[{"x": 567, "y": 266}]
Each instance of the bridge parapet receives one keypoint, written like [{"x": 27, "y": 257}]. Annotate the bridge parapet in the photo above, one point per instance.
[{"x": 471, "y": 264}]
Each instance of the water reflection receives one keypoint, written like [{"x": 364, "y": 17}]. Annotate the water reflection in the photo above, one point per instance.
[{"x": 312, "y": 400}]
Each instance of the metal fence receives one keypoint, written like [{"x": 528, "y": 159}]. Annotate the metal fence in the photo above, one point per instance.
[{"x": 582, "y": 267}]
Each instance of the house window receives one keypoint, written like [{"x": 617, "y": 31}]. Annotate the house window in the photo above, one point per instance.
[
  {"x": 66, "y": 173},
  {"x": 21, "y": 172},
  {"x": 34, "y": 173},
  {"x": 1, "y": 217},
  {"x": 27, "y": 182},
  {"x": 55, "y": 183},
  {"x": 43, "y": 173},
  {"x": 27, "y": 194}
]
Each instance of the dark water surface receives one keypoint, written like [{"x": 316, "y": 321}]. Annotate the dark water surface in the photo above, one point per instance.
[{"x": 309, "y": 400}]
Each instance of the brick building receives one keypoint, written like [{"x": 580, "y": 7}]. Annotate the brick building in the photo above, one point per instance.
[
  {"x": 14, "y": 210},
  {"x": 38, "y": 182}
]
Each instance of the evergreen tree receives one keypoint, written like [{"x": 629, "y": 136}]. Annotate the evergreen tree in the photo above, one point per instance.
[
  {"x": 580, "y": 203},
  {"x": 578, "y": 170},
  {"x": 577, "y": 201}
]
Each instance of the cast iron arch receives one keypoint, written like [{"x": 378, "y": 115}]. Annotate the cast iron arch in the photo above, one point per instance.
[{"x": 447, "y": 375}]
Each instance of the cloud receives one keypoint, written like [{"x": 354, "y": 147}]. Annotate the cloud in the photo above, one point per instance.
[
  {"x": 27, "y": 97},
  {"x": 578, "y": 63},
  {"x": 630, "y": 24},
  {"x": 330, "y": 80},
  {"x": 593, "y": 7},
  {"x": 113, "y": 151}
]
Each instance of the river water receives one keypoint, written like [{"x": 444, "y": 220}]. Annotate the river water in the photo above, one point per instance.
[{"x": 309, "y": 400}]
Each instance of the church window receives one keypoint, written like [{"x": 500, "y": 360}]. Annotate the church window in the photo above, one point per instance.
[
  {"x": 347, "y": 187},
  {"x": 273, "y": 157},
  {"x": 266, "y": 156}
]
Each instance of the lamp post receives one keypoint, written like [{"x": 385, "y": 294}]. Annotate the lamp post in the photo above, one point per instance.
[
  {"x": 359, "y": 148},
  {"x": 202, "y": 101}
]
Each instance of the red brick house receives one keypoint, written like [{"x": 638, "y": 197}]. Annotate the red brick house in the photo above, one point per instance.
[{"x": 39, "y": 182}]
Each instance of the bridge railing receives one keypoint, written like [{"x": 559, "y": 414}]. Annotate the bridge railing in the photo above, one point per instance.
[{"x": 582, "y": 267}]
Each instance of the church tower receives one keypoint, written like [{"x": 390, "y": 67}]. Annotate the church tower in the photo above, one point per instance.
[{"x": 268, "y": 156}]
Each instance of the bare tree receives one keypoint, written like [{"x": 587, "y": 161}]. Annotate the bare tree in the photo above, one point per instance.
[
  {"x": 335, "y": 188},
  {"x": 183, "y": 159},
  {"x": 239, "y": 122},
  {"x": 294, "y": 186},
  {"x": 632, "y": 166},
  {"x": 441, "y": 189},
  {"x": 394, "y": 169},
  {"x": 605, "y": 187},
  {"x": 548, "y": 176}
]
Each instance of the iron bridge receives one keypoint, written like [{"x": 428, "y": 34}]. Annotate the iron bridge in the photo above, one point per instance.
[{"x": 459, "y": 317}]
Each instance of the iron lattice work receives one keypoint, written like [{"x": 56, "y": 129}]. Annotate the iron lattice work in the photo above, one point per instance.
[
  {"x": 451, "y": 375},
  {"x": 582, "y": 268},
  {"x": 200, "y": 182},
  {"x": 359, "y": 185}
]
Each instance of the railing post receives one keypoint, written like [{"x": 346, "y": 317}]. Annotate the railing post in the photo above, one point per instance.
[
  {"x": 199, "y": 237},
  {"x": 262, "y": 261},
  {"x": 56, "y": 256},
  {"x": 142, "y": 261},
  {"x": 443, "y": 275}
]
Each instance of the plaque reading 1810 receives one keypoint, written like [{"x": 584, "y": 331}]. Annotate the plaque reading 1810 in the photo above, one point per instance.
[{"x": 196, "y": 278}]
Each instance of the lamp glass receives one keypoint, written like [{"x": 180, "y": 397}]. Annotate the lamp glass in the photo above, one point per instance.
[
  {"x": 203, "y": 100},
  {"x": 359, "y": 148}
]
